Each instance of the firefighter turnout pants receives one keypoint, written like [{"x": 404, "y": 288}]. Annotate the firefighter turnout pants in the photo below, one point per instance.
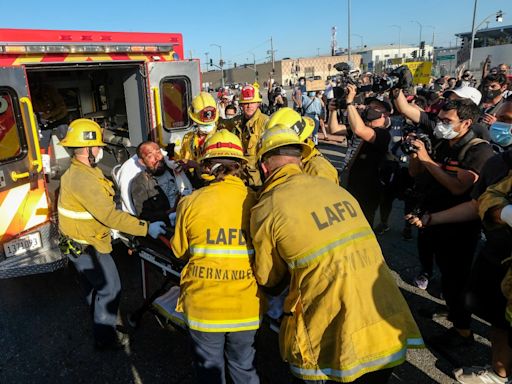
[
  {"x": 212, "y": 351},
  {"x": 102, "y": 287}
]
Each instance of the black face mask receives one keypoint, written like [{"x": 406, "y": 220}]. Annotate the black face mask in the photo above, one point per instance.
[
  {"x": 489, "y": 95},
  {"x": 370, "y": 114}
]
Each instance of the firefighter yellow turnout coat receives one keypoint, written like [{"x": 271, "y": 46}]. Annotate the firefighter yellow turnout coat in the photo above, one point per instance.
[
  {"x": 344, "y": 315},
  {"x": 87, "y": 209},
  {"x": 218, "y": 290},
  {"x": 315, "y": 164},
  {"x": 249, "y": 133},
  {"x": 498, "y": 196},
  {"x": 190, "y": 148}
]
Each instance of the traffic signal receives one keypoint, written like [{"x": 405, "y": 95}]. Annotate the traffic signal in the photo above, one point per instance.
[
  {"x": 462, "y": 41},
  {"x": 422, "y": 45},
  {"x": 423, "y": 53},
  {"x": 221, "y": 63},
  {"x": 499, "y": 16},
  {"x": 414, "y": 54},
  {"x": 211, "y": 61},
  {"x": 235, "y": 65}
]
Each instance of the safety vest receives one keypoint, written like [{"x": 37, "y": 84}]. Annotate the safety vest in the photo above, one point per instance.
[
  {"x": 87, "y": 210},
  {"x": 344, "y": 315},
  {"x": 218, "y": 290},
  {"x": 315, "y": 164}
]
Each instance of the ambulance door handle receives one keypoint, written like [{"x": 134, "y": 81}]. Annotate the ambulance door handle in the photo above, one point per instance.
[
  {"x": 30, "y": 126},
  {"x": 158, "y": 115}
]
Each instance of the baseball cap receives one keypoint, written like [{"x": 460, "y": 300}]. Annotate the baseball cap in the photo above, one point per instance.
[
  {"x": 466, "y": 92},
  {"x": 382, "y": 100}
]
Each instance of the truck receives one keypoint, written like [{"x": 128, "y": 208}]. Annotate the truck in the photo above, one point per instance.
[{"x": 136, "y": 85}]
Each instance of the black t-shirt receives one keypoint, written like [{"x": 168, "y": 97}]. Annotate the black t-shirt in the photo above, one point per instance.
[
  {"x": 434, "y": 196},
  {"x": 495, "y": 169},
  {"x": 364, "y": 172}
]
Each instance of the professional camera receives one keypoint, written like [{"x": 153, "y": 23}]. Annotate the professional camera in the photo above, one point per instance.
[
  {"x": 408, "y": 147},
  {"x": 400, "y": 77}
]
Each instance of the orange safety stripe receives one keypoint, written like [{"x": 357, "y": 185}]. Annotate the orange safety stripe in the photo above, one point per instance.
[{"x": 22, "y": 208}]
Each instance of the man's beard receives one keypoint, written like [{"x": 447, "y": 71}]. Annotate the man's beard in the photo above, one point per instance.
[{"x": 158, "y": 170}]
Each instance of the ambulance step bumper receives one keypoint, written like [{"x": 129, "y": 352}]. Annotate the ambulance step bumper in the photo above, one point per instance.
[{"x": 46, "y": 259}]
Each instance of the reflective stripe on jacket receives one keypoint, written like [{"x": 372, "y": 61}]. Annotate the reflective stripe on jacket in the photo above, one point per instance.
[
  {"x": 249, "y": 133},
  {"x": 344, "y": 315},
  {"x": 317, "y": 165},
  {"x": 87, "y": 210},
  {"x": 218, "y": 290}
]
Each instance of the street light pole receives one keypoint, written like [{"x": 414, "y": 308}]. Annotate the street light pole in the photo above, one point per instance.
[
  {"x": 471, "y": 43},
  {"x": 221, "y": 63},
  {"x": 207, "y": 62},
  {"x": 349, "y": 55},
  {"x": 421, "y": 29},
  {"x": 399, "y": 39},
  {"x": 254, "y": 66}
]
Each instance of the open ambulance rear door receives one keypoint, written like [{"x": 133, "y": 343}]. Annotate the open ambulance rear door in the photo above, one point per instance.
[
  {"x": 28, "y": 237},
  {"x": 172, "y": 86}
]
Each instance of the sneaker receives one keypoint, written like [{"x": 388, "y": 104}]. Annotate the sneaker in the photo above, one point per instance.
[
  {"x": 381, "y": 228},
  {"x": 421, "y": 281},
  {"x": 451, "y": 339},
  {"x": 478, "y": 375}
]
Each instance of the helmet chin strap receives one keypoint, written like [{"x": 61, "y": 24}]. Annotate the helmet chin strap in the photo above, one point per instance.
[{"x": 92, "y": 159}]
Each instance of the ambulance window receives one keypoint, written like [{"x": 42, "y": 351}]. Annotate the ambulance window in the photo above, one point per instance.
[
  {"x": 175, "y": 98},
  {"x": 10, "y": 141}
]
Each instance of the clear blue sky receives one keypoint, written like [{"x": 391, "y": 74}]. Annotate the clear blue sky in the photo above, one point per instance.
[{"x": 298, "y": 27}]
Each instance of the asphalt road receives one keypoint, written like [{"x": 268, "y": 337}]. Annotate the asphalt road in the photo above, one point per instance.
[{"x": 45, "y": 328}]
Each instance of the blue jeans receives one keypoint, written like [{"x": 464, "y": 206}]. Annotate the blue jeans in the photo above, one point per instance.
[
  {"x": 212, "y": 350},
  {"x": 102, "y": 287},
  {"x": 314, "y": 116}
]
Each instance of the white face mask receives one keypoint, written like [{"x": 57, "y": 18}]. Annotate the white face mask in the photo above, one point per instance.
[
  {"x": 206, "y": 128},
  {"x": 445, "y": 131},
  {"x": 99, "y": 156}
]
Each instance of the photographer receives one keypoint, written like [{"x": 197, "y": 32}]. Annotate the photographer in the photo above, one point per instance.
[
  {"x": 368, "y": 143},
  {"x": 445, "y": 180}
]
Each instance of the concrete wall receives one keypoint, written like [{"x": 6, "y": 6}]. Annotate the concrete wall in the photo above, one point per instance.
[
  {"x": 285, "y": 70},
  {"x": 499, "y": 54}
]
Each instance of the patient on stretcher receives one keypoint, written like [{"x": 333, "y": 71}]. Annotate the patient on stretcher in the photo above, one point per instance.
[{"x": 151, "y": 186}]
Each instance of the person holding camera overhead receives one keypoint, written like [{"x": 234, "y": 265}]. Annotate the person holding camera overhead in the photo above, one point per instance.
[
  {"x": 444, "y": 180},
  {"x": 368, "y": 143}
]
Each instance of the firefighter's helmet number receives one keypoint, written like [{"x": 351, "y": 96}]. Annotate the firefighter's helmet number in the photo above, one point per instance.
[{"x": 3, "y": 104}]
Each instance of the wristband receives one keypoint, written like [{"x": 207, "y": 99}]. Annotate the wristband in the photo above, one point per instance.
[{"x": 506, "y": 214}]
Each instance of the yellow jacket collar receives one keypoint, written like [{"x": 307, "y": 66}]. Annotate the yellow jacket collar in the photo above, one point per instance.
[
  {"x": 93, "y": 170},
  {"x": 279, "y": 176},
  {"x": 254, "y": 118},
  {"x": 314, "y": 151}
]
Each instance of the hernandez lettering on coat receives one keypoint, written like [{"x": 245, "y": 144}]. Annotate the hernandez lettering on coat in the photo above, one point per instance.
[
  {"x": 211, "y": 273},
  {"x": 333, "y": 214}
]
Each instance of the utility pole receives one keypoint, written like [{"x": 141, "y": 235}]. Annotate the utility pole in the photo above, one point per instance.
[
  {"x": 221, "y": 64},
  {"x": 472, "y": 35},
  {"x": 349, "y": 31},
  {"x": 272, "y": 54},
  {"x": 190, "y": 54},
  {"x": 207, "y": 62}
]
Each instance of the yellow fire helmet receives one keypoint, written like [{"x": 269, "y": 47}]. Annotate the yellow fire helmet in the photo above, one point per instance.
[
  {"x": 83, "y": 133},
  {"x": 250, "y": 94},
  {"x": 223, "y": 144},
  {"x": 286, "y": 116},
  {"x": 203, "y": 109},
  {"x": 280, "y": 136}
]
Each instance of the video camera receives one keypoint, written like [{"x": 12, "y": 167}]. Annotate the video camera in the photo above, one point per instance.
[
  {"x": 400, "y": 77},
  {"x": 408, "y": 147}
]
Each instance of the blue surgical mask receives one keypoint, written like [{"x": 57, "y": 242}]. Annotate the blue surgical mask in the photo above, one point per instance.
[{"x": 501, "y": 133}]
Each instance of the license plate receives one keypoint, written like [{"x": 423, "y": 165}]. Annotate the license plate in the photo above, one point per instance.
[{"x": 23, "y": 245}]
